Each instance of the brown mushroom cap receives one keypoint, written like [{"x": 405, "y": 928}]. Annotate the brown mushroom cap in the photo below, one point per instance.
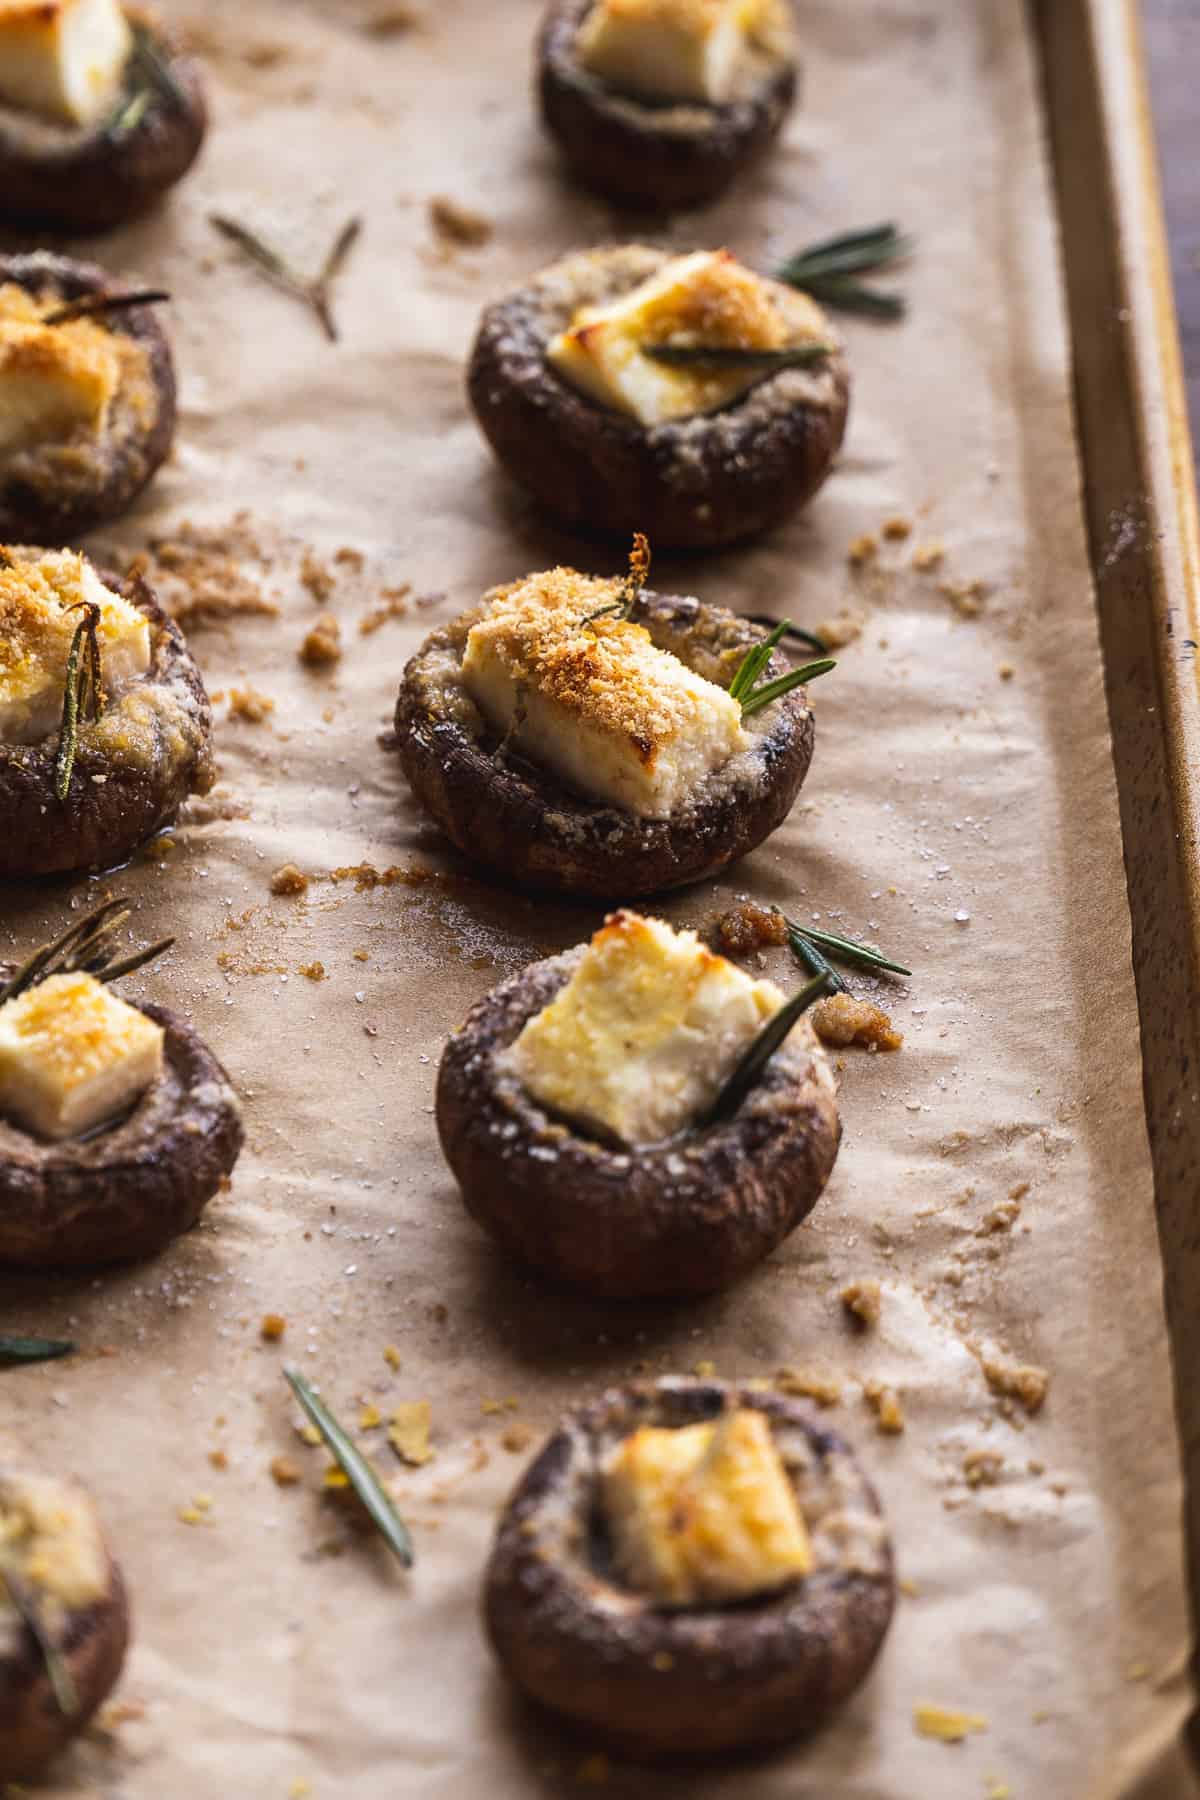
[
  {"x": 696, "y": 1681},
  {"x": 687, "y": 1216},
  {"x": 54, "y": 493},
  {"x": 660, "y": 157},
  {"x": 514, "y": 816},
  {"x": 90, "y": 1639},
  {"x": 124, "y": 785},
  {"x": 125, "y": 1191},
  {"x": 96, "y": 177},
  {"x": 691, "y": 483}
]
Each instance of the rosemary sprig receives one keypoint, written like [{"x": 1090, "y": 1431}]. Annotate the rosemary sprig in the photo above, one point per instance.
[
  {"x": 89, "y": 306},
  {"x": 718, "y": 356},
  {"x": 753, "y": 698},
  {"x": 858, "y": 956},
  {"x": 828, "y": 270},
  {"x": 631, "y": 585},
  {"x": 157, "y": 81},
  {"x": 358, "y": 1471},
  {"x": 16, "y": 1352},
  {"x": 316, "y": 292},
  {"x": 763, "y": 1047},
  {"x": 809, "y": 639},
  {"x": 83, "y": 693},
  {"x": 814, "y": 961},
  {"x": 86, "y": 947},
  {"x": 30, "y": 1614}
]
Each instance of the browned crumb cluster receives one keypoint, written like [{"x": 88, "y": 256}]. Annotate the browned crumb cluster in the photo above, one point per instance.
[
  {"x": 862, "y": 550},
  {"x": 323, "y": 644},
  {"x": 313, "y": 971},
  {"x": 393, "y": 604},
  {"x": 317, "y": 577},
  {"x": 885, "y": 1404},
  {"x": 863, "y": 1300},
  {"x": 1023, "y": 1382},
  {"x": 249, "y": 704},
  {"x": 199, "y": 575},
  {"x": 289, "y": 880},
  {"x": 843, "y": 628},
  {"x": 841, "y": 1020},
  {"x": 391, "y": 21},
  {"x": 456, "y": 224},
  {"x": 810, "y": 1384},
  {"x": 748, "y": 927}
]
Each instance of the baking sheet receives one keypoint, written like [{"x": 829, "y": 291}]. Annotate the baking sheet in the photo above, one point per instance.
[{"x": 962, "y": 768}]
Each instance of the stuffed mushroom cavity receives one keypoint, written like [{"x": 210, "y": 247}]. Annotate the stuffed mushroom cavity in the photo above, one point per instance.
[
  {"x": 630, "y": 388},
  {"x": 574, "y": 1108},
  {"x": 62, "y": 1600},
  {"x": 577, "y": 749},
  {"x": 105, "y": 727},
  {"x": 117, "y": 1124},
  {"x": 660, "y": 104},
  {"x": 690, "y": 1568},
  {"x": 99, "y": 113},
  {"x": 87, "y": 398}
]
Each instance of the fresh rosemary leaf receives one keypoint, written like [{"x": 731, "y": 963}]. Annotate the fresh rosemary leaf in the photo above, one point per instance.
[
  {"x": 845, "y": 295},
  {"x": 18, "y": 1351},
  {"x": 631, "y": 586},
  {"x": 358, "y": 1470},
  {"x": 814, "y": 962},
  {"x": 827, "y": 270},
  {"x": 846, "y": 950},
  {"x": 30, "y": 1614},
  {"x": 316, "y": 293},
  {"x": 88, "y": 306},
  {"x": 87, "y": 945},
  {"x": 160, "y": 77},
  {"x": 809, "y": 639},
  {"x": 130, "y": 113},
  {"x": 775, "y": 690},
  {"x": 683, "y": 356},
  {"x": 759, "y": 1053},
  {"x": 82, "y": 694},
  {"x": 753, "y": 664}
]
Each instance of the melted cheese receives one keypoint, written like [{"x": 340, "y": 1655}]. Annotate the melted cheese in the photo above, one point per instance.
[
  {"x": 37, "y": 624},
  {"x": 73, "y": 1055},
  {"x": 50, "y": 1536},
  {"x": 597, "y": 704},
  {"x": 64, "y": 59},
  {"x": 669, "y": 49},
  {"x": 641, "y": 1038},
  {"x": 706, "y": 1513},
  {"x": 706, "y": 299},
  {"x": 54, "y": 383}
]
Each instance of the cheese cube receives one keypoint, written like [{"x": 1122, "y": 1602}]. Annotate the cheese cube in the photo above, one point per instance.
[
  {"x": 669, "y": 49},
  {"x": 73, "y": 1055},
  {"x": 50, "y": 1535},
  {"x": 64, "y": 59},
  {"x": 641, "y": 1038},
  {"x": 36, "y": 629},
  {"x": 54, "y": 382},
  {"x": 706, "y": 299},
  {"x": 706, "y": 1513},
  {"x": 597, "y": 704}
]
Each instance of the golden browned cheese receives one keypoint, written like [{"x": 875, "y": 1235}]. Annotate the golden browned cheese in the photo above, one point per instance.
[
  {"x": 50, "y": 1536},
  {"x": 64, "y": 383},
  {"x": 73, "y": 1054}
]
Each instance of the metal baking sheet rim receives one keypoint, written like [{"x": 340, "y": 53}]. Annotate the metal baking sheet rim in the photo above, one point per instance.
[{"x": 1138, "y": 468}]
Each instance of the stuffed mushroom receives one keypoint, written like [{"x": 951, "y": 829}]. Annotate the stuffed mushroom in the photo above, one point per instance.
[
  {"x": 87, "y": 398},
  {"x": 590, "y": 737},
  {"x": 579, "y": 1108},
  {"x": 99, "y": 113},
  {"x": 685, "y": 395},
  {"x": 690, "y": 1568},
  {"x": 117, "y": 1123},
  {"x": 660, "y": 104},
  {"x": 105, "y": 727},
  {"x": 64, "y": 1618}
]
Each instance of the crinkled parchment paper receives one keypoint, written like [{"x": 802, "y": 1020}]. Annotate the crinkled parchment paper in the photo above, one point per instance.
[{"x": 960, "y": 810}]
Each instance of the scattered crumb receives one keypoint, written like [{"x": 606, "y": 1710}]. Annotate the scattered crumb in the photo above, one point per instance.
[
  {"x": 307, "y": 1433},
  {"x": 943, "y": 1723},
  {"x": 362, "y": 956},
  {"x": 284, "y": 1472},
  {"x": 273, "y": 1327},
  {"x": 121, "y": 1712},
  {"x": 1017, "y": 1381},
  {"x": 1002, "y": 1217},
  {"x": 198, "y": 575},
  {"x": 930, "y": 555},
  {"x": 842, "y": 629},
  {"x": 982, "y": 1468},
  {"x": 704, "y": 1369},
  {"x": 317, "y": 577},
  {"x": 996, "y": 1789},
  {"x": 300, "y": 1789},
  {"x": 393, "y": 604},
  {"x": 908, "y": 1587},
  {"x": 966, "y": 597},
  {"x": 218, "y": 1459},
  {"x": 885, "y": 1404},
  {"x": 456, "y": 224},
  {"x": 516, "y": 1438},
  {"x": 370, "y": 1418},
  {"x": 289, "y": 880},
  {"x": 322, "y": 645},
  {"x": 842, "y": 1020},
  {"x": 349, "y": 558},
  {"x": 391, "y": 1356},
  {"x": 748, "y": 927},
  {"x": 863, "y": 1300},
  {"x": 1005, "y": 671},
  {"x": 391, "y": 21},
  {"x": 313, "y": 971},
  {"x": 864, "y": 549},
  {"x": 247, "y": 703},
  {"x": 810, "y": 1384},
  {"x": 408, "y": 1433},
  {"x": 897, "y": 527}
]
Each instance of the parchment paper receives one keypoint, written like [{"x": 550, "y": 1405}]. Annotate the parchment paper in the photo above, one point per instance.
[{"x": 960, "y": 810}]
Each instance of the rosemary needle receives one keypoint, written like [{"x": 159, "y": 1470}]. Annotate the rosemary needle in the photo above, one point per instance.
[
  {"x": 762, "y": 1048},
  {"x": 846, "y": 950},
  {"x": 82, "y": 694},
  {"x": 828, "y": 270},
  {"x": 316, "y": 293},
  {"x": 18, "y": 1351},
  {"x": 683, "y": 356},
  {"x": 88, "y": 306},
  {"x": 86, "y": 946},
  {"x": 631, "y": 584},
  {"x": 30, "y": 1615},
  {"x": 754, "y": 698},
  {"x": 358, "y": 1471}
]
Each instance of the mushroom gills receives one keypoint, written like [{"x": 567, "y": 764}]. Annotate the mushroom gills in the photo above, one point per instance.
[
  {"x": 639, "y": 1041},
  {"x": 63, "y": 59},
  {"x": 705, "y": 1514},
  {"x": 41, "y": 600},
  {"x": 73, "y": 1056},
  {"x": 670, "y": 50}
]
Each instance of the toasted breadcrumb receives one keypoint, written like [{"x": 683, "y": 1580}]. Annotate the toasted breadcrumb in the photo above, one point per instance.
[
  {"x": 313, "y": 971},
  {"x": 348, "y": 558},
  {"x": 273, "y": 1327},
  {"x": 457, "y": 224},
  {"x": 284, "y": 1472},
  {"x": 1005, "y": 671},
  {"x": 289, "y": 880},
  {"x": 842, "y": 1020},
  {"x": 247, "y": 703},
  {"x": 748, "y": 927},
  {"x": 885, "y": 1404},
  {"x": 370, "y": 1418},
  {"x": 863, "y": 1300},
  {"x": 391, "y": 1356},
  {"x": 897, "y": 527},
  {"x": 1002, "y": 1217},
  {"x": 391, "y": 21},
  {"x": 982, "y": 1468},
  {"x": 948, "y": 1726},
  {"x": 218, "y": 1459},
  {"x": 408, "y": 1433},
  {"x": 844, "y": 628},
  {"x": 322, "y": 645},
  {"x": 1023, "y": 1382},
  {"x": 517, "y": 1438},
  {"x": 317, "y": 577},
  {"x": 810, "y": 1384},
  {"x": 929, "y": 556},
  {"x": 393, "y": 604},
  {"x": 966, "y": 597}
]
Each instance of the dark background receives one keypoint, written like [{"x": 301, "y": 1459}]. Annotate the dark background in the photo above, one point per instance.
[{"x": 1173, "y": 48}]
